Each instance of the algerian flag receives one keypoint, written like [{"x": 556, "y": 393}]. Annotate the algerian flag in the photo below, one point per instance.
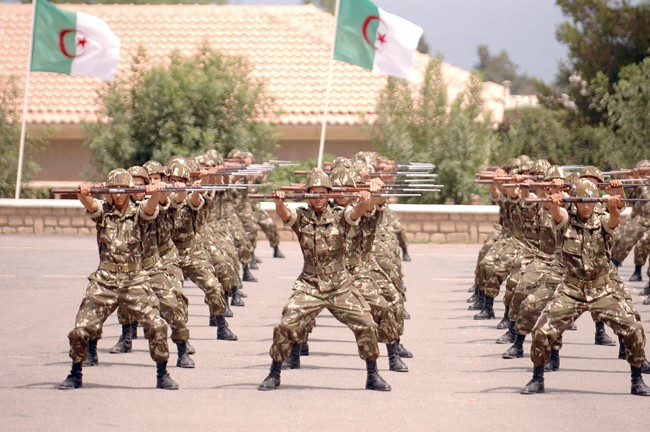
[
  {"x": 72, "y": 43},
  {"x": 370, "y": 37}
]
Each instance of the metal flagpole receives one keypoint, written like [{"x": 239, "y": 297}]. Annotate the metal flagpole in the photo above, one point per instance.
[
  {"x": 321, "y": 147},
  {"x": 21, "y": 148}
]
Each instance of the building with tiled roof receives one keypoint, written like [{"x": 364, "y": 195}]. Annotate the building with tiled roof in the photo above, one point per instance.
[{"x": 288, "y": 46}]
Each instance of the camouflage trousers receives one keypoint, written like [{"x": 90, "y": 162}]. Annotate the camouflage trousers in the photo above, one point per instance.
[
  {"x": 345, "y": 304},
  {"x": 642, "y": 250},
  {"x": 227, "y": 274},
  {"x": 196, "y": 265},
  {"x": 101, "y": 299},
  {"x": 562, "y": 310},
  {"x": 532, "y": 293},
  {"x": 168, "y": 290},
  {"x": 388, "y": 290},
  {"x": 250, "y": 225},
  {"x": 631, "y": 232},
  {"x": 490, "y": 241},
  {"x": 382, "y": 311},
  {"x": 498, "y": 263},
  {"x": 222, "y": 236},
  {"x": 526, "y": 256},
  {"x": 388, "y": 258},
  {"x": 240, "y": 238},
  {"x": 267, "y": 225}
]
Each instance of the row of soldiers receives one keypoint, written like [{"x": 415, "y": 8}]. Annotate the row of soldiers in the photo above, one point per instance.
[
  {"x": 191, "y": 219},
  {"x": 555, "y": 247}
]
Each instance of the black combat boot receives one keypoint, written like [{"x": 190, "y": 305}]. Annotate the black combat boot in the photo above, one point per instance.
[
  {"x": 487, "y": 312},
  {"x": 304, "y": 349},
  {"x": 647, "y": 300},
  {"x": 621, "y": 348},
  {"x": 247, "y": 276},
  {"x": 374, "y": 381},
  {"x": 406, "y": 314},
  {"x": 636, "y": 276},
  {"x": 536, "y": 385},
  {"x": 272, "y": 381},
  {"x": 293, "y": 361},
  {"x": 405, "y": 254},
  {"x": 505, "y": 321},
  {"x": 601, "y": 337},
  {"x": 236, "y": 300},
  {"x": 572, "y": 326},
  {"x": 639, "y": 388},
  {"x": 253, "y": 265},
  {"x": 223, "y": 332},
  {"x": 184, "y": 360},
  {"x": 509, "y": 336},
  {"x": 479, "y": 304},
  {"x": 213, "y": 319},
  {"x": 473, "y": 297},
  {"x": 124, "y": 344},
  {"x": 554, "y": 362},
  {"x": 517, "y": 349},
  {"x": 190, "y": 349},
  {"x": 402, "y": 351},
  {"x": 73, "y": 380},
  {"x": 645, "y": 367},
  {"x": 277, "y": 253},
  {"x": 164, "y": 381},
  {"x": 92, "y": 359},
  {"x": 134, "y": 330},
  {"x": 616, "y": 263},
  {"x": 646, "y": 289},
  {"x": 395, "y": 363}
]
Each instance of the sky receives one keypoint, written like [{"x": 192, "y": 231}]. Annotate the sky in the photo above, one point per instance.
[{"x": 525, "y": 29}]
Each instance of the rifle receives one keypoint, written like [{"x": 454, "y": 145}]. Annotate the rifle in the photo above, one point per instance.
[
  {"x": 585, "y": 199},
  {"x": 141, "y": 189},
  {"x": 305, "y": 195}
]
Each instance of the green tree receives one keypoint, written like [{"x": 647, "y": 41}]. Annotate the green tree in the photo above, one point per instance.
[
  {"x": 10, "y": 123},
  {"x": 500, "y": 68},
  {"x": 205, "y": 101},
  {"x": 424, "y": 126}
]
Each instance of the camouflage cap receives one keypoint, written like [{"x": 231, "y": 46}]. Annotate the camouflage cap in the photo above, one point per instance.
[
  {"x": 138, "y": 171},
  {"x": 154, "y": 167},
  {"x": 540, "y": 166},
  {"x": 317, "y": 178},
  {"x": 343, "y": 177},
  {"x": 234, "y": 154},
  {"x": 247, "y": 155},
  {"x": 119, "y": 177},
  {"x": 645, "y": 163},
  {"x": 592, "y": 171},
  {"x": 341, "y": 162},
  {"x": 585, "y": 188},
  {"x": 525, "y": 163},
  {"x": 511, "y": 165},
  {"x": 554, "y": 172},
  {"x": 192, "y": 164},
  {"x": 214, "y": 156},
  {"x": 179, "y": 158},
  {"x": 178, "y": 169}
]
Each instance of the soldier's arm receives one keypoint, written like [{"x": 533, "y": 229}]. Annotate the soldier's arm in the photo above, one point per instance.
[{"x": 86, "y": 198}]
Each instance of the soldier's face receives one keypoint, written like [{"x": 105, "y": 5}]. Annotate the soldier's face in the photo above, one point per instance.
[
  {"x": 138, "y": 181},
  {"x": 585, "y": 210},
  {"x": 318, "y": 204},
  {"x": 155, "y": 178},
  {"x": 342, "y": 201},
  {"x": 120, "y": 200}
]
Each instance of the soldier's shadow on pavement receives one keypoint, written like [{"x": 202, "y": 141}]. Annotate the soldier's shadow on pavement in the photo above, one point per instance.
[
  {"x": 288, "y": 387},
  {"x": 553, "y": 391},
  {"x": 86, "y": 385}
]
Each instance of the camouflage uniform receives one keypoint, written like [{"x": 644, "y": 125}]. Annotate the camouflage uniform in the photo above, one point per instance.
[
  {"x": 642, "y": 251},
  {"x": 587, "y": 287},
  {"x": 634, "y": 227},
  {"x": 119, "y": 279},
  {"x": 323, "y": 283}
]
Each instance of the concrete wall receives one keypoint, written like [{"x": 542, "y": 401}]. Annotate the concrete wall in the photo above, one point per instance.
[{"x": 424, "y": 223}]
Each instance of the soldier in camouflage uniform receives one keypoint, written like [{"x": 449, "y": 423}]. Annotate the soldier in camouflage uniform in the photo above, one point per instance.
[
  {"x": 194, "y": 260},
  {"x": 119, "y": 279},
  {"x": 265, "y": 222},
  {"x": 586, "y": 248},
  {"x": 165, "y": 285},
  {"x": 324, "y": 281},
  {"x": 641, "y": 252},
  {"x": 639, "y": 221}
]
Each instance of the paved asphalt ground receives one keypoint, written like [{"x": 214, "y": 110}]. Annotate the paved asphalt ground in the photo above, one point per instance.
[{"x": 457, "y": 379}]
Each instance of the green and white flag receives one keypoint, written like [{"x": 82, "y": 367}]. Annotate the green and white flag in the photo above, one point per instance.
[
  {"x": 374, "y": 39},
  {"x": 72, "y": 43}
]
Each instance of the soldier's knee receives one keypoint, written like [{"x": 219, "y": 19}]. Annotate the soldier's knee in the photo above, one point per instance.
[{"x": 78, "y": 335}]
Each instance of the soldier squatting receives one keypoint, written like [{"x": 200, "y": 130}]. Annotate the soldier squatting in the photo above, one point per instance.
[{"x": 193, "y": 219}]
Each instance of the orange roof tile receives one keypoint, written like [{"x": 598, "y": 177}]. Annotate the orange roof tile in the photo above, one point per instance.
[{"x": 288, "y": 46}]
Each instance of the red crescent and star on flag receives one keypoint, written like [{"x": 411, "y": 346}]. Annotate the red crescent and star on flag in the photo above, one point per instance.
[
  {"x": 381, "y": 37},
  {"x": 81, "y": 41}
]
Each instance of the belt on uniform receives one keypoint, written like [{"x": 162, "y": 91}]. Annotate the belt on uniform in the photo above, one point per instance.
[
  {"x": 120, "y": 267},
  {"x": 323, "y": 270},
  {"x": 150, "y": 261},
  {"x": 588, "y": 284},
  {"x": 163, "y": 249},
  {"x": 356, "y": 260},
  {"x": 186, "y": 244}
]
